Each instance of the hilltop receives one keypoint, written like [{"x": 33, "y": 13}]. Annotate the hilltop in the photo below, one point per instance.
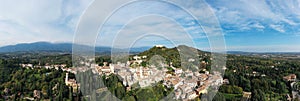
[{"x": 180, "y": 56}]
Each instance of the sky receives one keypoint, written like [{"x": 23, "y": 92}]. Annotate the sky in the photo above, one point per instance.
[{"x": 247, "y": 25}]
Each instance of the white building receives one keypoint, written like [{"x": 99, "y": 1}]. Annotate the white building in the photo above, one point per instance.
[
  {"x": 159, "y": 46},
  {"x": 71, "y": 82}
]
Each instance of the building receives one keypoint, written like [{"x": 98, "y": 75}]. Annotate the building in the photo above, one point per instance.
[
  {"x": 71, "y": 83},
  {"x": 291, "y": 77},
  {"x": 27, "y": 65},
  {"x": 144, "y": 57},
  {"x": 159, "y": 46},
  {"x": 178, "y": 71},
  {"x": 225, "y": 81},
  {"x": 191, "y": 60},
  {"x": 247, "y": 95},
  {"x": 136, "y": 57},
  {"x": 37, "y": 94},
  {"x": 105, "y": 69}
]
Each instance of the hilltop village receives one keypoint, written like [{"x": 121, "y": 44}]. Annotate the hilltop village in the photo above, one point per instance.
[
  {"x": 245, "y": 78},
  {"x": 187, "y": 84}
]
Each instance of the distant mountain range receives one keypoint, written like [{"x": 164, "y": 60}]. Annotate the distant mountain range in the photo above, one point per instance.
[
  {"x": 67, "y": 47},
  {"x": 58, "y": 47},
  {"x": 261, "y": 53}
]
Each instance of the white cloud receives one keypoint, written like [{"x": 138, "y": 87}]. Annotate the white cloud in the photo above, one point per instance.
[
  {"x": 34, "y": 20},
  {"x": 46, "y": 20},
  {"x": 279, "y": 28},
  {"x": 148, "y": 25},
  {"x": 236, "y": 15},
  {"x": 55, "y": 20},
  {"x": 259, "y": 26}
]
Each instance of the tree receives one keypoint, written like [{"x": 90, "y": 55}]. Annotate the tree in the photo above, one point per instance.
[
  {"x": 246, "y": 84},
  {"x": 231, "y": 89},
  {"x": 237, "y": 90},
  {"x": 146, "y": 95},
  {"x": 219, "y": 97},
  {"x": 144, "y": 64},
  {"x": 258, "y": 95},
  {"x": 256, "y": 84},
  {"x": 128, "y": 98},
  {"x": 120, "y": 91},
  {"x": 49, "y": 91},
  {"x": 282, "y": 88},
  {"x": 71, "y": 94}
]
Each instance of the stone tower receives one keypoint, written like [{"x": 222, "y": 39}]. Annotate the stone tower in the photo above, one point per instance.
[{"x": 67, "y": 78}]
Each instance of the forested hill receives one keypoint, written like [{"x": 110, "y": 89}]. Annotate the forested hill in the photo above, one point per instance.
[
  {"x": 173, "y": 52},
  {"x": 262, "y": 76},
  {"x": 179, "y": 55}
]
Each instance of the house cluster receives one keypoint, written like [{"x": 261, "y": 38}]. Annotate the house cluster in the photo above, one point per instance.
[
  {"x": 47, "y": 66},
  {"x": 72, "y": 83},
  {"x": 105, "y": 69},
  {"x": 69, "y": 82},
  {"x": 193, "y": 84},
  {"x": 57, "y": 67},
  {"x": 187, "y": 84},
  {"x": 145, "y": 76}
]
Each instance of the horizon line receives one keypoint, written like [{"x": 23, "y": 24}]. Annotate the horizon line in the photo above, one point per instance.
[{"x": 204, "y": 49}]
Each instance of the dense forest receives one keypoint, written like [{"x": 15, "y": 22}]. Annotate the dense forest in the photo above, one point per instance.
[
  {"x": 17, "y": 83},
  {"x": 261, "y": 76}
]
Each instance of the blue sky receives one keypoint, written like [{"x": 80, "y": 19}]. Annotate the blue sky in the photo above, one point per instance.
[{"x": 248, "y": 25}]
